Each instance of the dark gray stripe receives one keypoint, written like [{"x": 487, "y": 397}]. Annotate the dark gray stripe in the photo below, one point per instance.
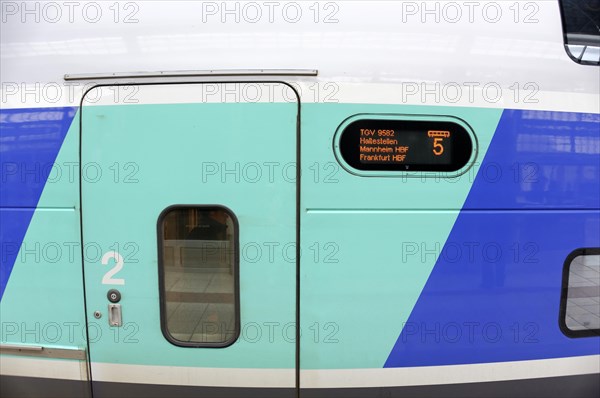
[
  {"x": 105, "y": 390},
  {"x": 580, "y": 386},
  {"x": 566, "y": 386},
  {"x": 30, "y": 387}
]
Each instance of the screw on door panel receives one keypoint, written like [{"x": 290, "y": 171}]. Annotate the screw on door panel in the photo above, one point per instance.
[{"x": 97, "y": 314}]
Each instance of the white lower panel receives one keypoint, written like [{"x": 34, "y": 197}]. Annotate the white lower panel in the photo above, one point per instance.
[
  {"x": 450, "y": 374},
  {"x": 69, "y": 369},
  {"x": 285, "y": 378},
  {"x": 186, "y": 376}
]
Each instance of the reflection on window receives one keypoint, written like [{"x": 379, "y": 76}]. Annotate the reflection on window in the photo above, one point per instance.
[
  {"x": 581, "y": 27},
  {"x": 581, "y": 293},
  {"x": 198, "y": 276}
]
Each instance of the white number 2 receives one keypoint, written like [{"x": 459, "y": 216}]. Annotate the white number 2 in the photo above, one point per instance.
[{"x": 108, "y": 277}]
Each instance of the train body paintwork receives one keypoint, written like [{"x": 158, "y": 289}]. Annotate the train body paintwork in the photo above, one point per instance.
[{"x": 402, "y": 284}]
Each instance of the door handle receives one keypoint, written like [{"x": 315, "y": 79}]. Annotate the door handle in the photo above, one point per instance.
[{"x": 114, "y": 315}]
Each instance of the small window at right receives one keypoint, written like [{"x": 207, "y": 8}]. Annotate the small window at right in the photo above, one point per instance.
[
  {"x": 581, "y": 30},
  {"x": 580, "y": 301}
]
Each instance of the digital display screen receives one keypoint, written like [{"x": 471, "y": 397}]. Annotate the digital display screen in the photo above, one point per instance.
[{"x": 405, "y": 145}]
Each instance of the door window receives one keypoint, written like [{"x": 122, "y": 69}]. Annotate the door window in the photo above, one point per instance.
[{"x": 198, "y": 263}]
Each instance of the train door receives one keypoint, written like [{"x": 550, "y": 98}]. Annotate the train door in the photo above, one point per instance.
[{"x": 189, "y": 231}]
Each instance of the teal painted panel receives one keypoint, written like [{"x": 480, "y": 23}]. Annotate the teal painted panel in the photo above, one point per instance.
[
  {"x": 326, "y": 185},
  {"x": 365, "y": 283},
  {"x": 192, "y": 154},
  {"x": 43, "y": 302},
  {"x": 359, "y": 296}
]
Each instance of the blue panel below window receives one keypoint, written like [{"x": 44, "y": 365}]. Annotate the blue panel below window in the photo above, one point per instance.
[{"x": 494, "y": 293}]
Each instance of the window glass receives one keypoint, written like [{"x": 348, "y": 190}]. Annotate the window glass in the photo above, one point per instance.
[
  {"x": 581, "y": 27},
  {"x": 198, "y": 276},
  {"x": 581, "y": 293}
]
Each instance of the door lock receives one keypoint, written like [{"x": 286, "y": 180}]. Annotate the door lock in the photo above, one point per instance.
[{"x": 114, "y": 296}]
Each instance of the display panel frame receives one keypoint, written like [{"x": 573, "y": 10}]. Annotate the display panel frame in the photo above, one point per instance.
[{"x": 385, "y": 170}]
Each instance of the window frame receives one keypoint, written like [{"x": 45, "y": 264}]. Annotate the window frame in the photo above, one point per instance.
[
  {"x": 562, "y": 318},
  {"x": 236, "y": 278},
  {"x": 565, "y": 35}
]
